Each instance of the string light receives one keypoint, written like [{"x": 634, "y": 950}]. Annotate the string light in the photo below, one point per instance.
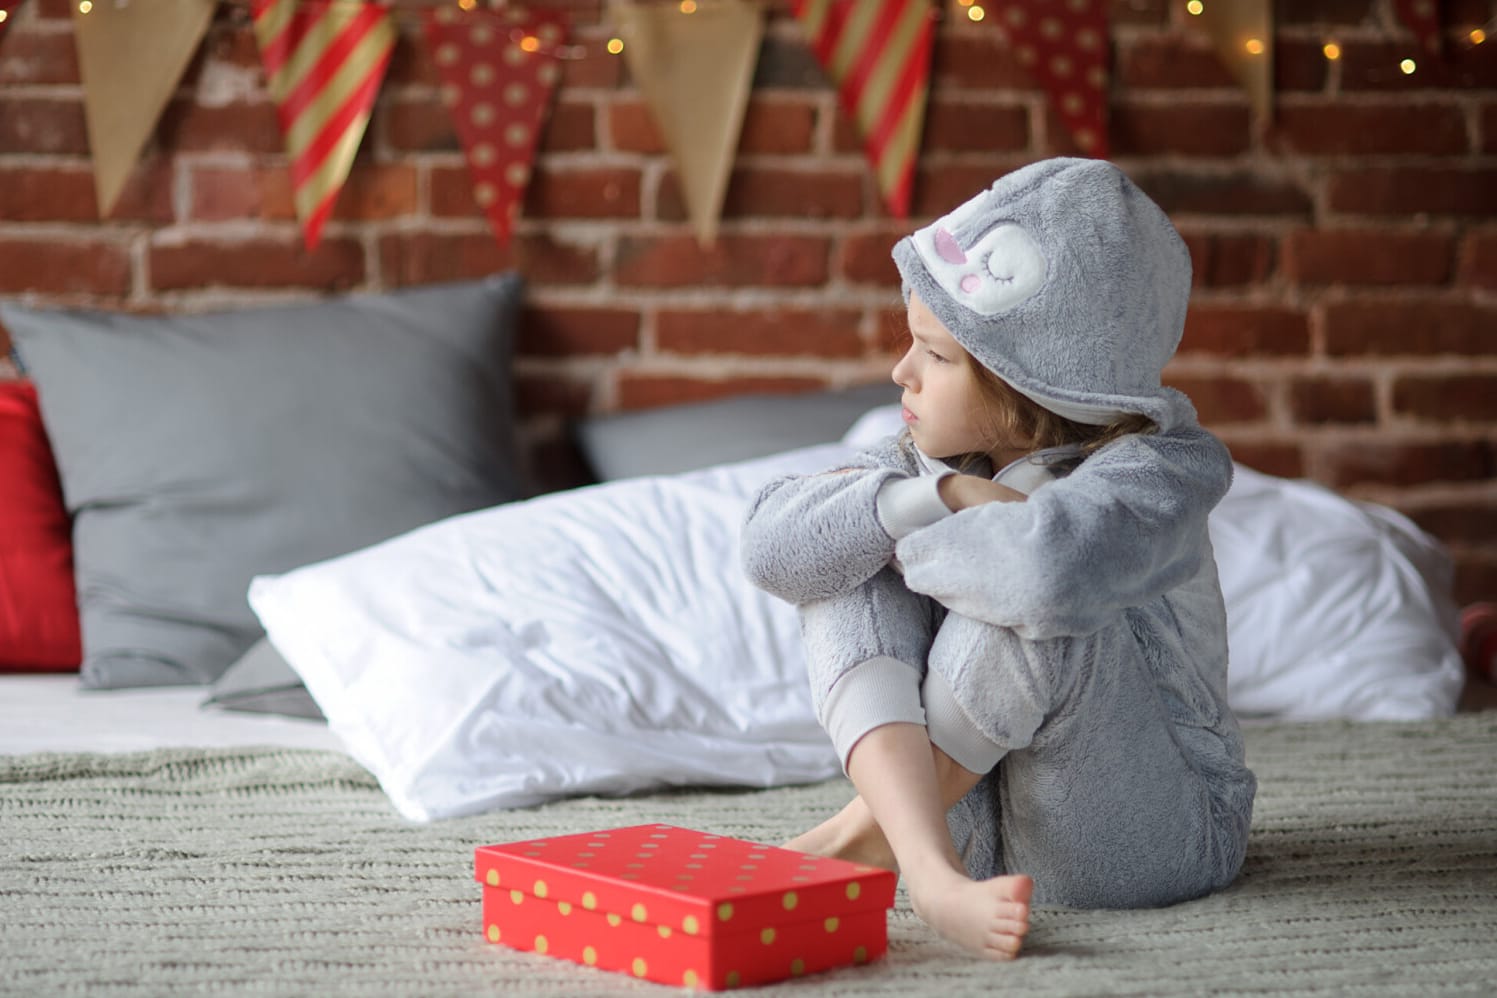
[
  {"x": 1196, "y": 7},
  {"x": 976, "y": 13},
  {"x": 1254, "y": 46},
  {"x": 3, "y": 15},
  {"x": 615, "y": 46},
  {"x": 1332, "y": 51},
  {"x": 688, "y": 6},
  {"x": 1408, "y": 66},
  {"x": 1477, "y": 36},
  {"x": 84, "y": 6}
]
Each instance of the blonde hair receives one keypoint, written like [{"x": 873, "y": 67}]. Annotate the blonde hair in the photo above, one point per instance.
[{"x": 1016, "y": 417}]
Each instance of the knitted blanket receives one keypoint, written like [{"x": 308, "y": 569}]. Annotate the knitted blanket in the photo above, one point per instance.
[{"x": 1372, "y": 869}]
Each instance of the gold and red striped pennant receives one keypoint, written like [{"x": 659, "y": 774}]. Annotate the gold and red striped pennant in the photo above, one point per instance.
[
  {"x": 324, "y": 62},
  {"x": 878, "y": 54}
]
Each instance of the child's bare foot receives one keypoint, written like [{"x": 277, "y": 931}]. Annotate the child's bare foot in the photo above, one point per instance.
[
  {"x": 988, "y": 918},
  {"x": 851, "y": 834}
]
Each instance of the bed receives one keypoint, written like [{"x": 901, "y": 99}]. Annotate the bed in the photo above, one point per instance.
[{"x": 482, "y": 666}]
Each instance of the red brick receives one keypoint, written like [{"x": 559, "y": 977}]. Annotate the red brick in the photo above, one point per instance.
[
  {"x": 1478, "y": 260},
  {"x": 1375, "y": 66},
  {"x": 788, "y": 63},
  {"x": 425, "y": 257},
  {"x": 778, "y": 332},
  {"x": 147, "y": 193},
  {"x": 1139, "y": 12},
  {"x": 1415, "y": 190},
  {"x": 774, "y": 127},
  {"x": 1169, "y": 62},
  {"x": 1489, "y": 128},
  {"x": 256, "y": 263},
  {"x": 1237, "y": 193},
  {"x": 1377, "y": 461},
  {"x": 1475, "y": 576},
  {"x": 976, "y": 60},
  {"x": 865, "y": 256},
  {"x": 1324, "y": 13},
  {"x": 940, "y": 188},
  {"x": 411, "y": 125},
  {"x": 1471, "y": 520},
  {"x": 956, "y": 126},
  {"x": 1221, "y": 400},
  {"x": 64, "y": 266},
  {"x": 1449, "y": 398},
  {"x": 242, "y": 127},
  {"x": 571, "y": 127},
  {"x": 1138, "y": 129},
  {"x": 222, "y": 193},
  {"x": 1228, "y": 259},
  {"x": 1299, "y": 66},
  {"x": 1337, "y": 128},
  {"x": 38, "y": 57},
  {"x": 42, "y": 125},
  {"x": 735, "y": 261},
  {"x": 1353, "y": 256},
  {"x": 554, "y": 462},
  {"x": 589, "y": 64},
  {"x": 771, "y": 192},
  {"x": 647, "y": 391},
  {"x": 632, "y": 128},
  {"x": 557, "y": 331},
  {"x": 410, "y": 62},
  {"x": 1245, "y": 331},
  {"x": 377, "y": 191},
  {"x": 1322, "y": 400},
  {"x": 551, "y": 394},
  {"x": 583, "y": 192},
  {"x": 48, "y": 194},
  {"x": 1271, "y": 457},
  {"x": 1415, "y": 327}
]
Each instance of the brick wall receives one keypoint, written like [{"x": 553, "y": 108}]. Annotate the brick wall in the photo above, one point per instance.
[{"x": 1344, "y": 325}]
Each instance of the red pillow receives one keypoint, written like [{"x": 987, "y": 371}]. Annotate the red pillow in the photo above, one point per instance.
[{"x": 38, "y": 607}]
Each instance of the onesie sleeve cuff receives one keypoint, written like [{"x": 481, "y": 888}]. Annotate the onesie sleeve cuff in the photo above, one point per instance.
[
  {"x": 907, "y": 504},
  {"x": 879, "y": 691},
  {"x": 952, "y": 731}
]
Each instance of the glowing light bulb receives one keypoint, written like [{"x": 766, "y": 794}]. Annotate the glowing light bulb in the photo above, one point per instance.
[
  {"x": 976, "y": 13},
  {"x": 1477, "y": 36},
  {"x": 688, "y": 6},
  {"x": 615, "y": 46},
  {"x": 1408, "y": 66},
  {"x": 1332, "y": 51},
  {"x": 1195, "y": 7},
  {"x": 467, "y": 4},
  {"x": 84, "y": 6},
  {"x": 3, "y": 15},
  {"x": 1254, "y": 46}
]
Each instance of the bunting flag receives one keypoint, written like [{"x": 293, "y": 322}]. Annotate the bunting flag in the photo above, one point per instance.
[
  {"x": 6, "y": 6},
  {"x": 1242, "y": 31},
  {"x": 498, "y": 73},
  {"x": 695, "y": 71},
  {"x": 878, "y": 53},
  {"x": 324, "y": 62},
  {"x": 123, "y": 93},
  {"x": 1064, "y": 48},
  {"x": 1422, "y": 17}
]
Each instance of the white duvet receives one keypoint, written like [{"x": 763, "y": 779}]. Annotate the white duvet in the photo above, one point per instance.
[{"x": 604, "y": 640}]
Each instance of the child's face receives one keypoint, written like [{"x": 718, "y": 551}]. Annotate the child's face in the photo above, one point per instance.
[{"x": 943, "y": 405}]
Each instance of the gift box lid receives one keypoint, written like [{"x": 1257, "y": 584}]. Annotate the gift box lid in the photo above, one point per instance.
[{"x": 667, "y": 875}]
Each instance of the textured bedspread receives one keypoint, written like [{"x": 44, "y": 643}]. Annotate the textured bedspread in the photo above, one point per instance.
[{"x": 1372, "y": 870}]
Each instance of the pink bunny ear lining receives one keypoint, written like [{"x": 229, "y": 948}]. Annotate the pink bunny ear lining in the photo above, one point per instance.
[{"x": 947, "y": 248}]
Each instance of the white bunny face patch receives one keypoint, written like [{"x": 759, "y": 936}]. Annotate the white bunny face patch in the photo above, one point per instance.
[{"x": 998, "y": 270}]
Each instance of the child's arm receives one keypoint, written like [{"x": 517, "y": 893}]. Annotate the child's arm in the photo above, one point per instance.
[
  {"x": 813, "y": 537},
  {"x": 1127, "y": 525}
]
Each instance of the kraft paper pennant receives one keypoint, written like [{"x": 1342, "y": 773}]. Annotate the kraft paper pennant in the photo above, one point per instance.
[
  {"x": 695, "y": 71},
  {"x": 1243, "y": 33},
  {"x": 498, "y": 69},
  {"x": 130, "y": 57}
]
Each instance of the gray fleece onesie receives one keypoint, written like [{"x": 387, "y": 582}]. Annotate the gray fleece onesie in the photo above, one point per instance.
[{"x": 1073, "y": 646}]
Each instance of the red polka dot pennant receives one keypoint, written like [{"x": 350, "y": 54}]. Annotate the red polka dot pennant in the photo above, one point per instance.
[
  {"x": 1063, "y": 45},
  {"x": 498, "y": 72}
]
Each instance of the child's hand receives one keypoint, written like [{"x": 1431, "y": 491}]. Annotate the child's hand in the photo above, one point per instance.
[{"x": 960, "y": 492}]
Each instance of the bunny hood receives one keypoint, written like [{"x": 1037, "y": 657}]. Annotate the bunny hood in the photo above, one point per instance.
[{"x": 1066, "y": 281}]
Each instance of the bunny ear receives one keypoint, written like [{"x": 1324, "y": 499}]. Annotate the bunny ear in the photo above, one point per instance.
[{"x": 947, "y": 248}]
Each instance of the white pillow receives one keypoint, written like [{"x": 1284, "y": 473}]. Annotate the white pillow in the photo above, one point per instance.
[{"x": 603, "y": 640}]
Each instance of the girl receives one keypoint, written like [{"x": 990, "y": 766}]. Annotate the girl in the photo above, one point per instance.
[{"x": 1024, "y": 672}]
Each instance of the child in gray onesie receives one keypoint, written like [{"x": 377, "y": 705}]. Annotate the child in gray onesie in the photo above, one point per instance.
[{"x": 1013, "y": 624}]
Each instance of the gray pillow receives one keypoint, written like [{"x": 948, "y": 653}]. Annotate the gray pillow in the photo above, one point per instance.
[
  {"x": 199, "y": 451},
  {"x": 679, "y": 438}
]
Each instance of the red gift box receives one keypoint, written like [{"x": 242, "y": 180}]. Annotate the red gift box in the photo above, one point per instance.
[{"x": 683, "y": 907}]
